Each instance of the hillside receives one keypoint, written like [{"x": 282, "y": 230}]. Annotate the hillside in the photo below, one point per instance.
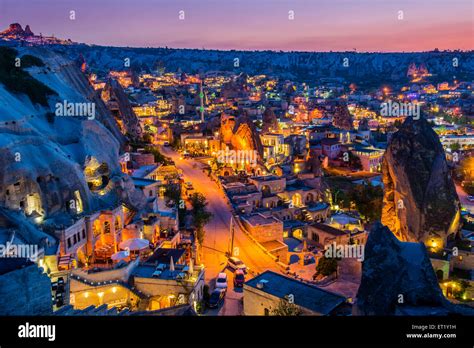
[
  {"x": 43, "y": 156},
  {"x": 305, "y": 66}
]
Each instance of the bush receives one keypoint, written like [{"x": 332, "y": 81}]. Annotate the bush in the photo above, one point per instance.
[
  {"x": 28, "y": 61},
  {"x": 286, "y": 309},
  {"x": 16, "y": 80},
  {"x": 326, "y": 266},
  {"x": 159, "y": 157},
  {"x": 200, "y": 306},
  {"x": 368, "y": 200}
]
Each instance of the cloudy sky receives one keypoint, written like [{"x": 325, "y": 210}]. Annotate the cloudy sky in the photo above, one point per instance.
[{"x": 318, "y": 25}]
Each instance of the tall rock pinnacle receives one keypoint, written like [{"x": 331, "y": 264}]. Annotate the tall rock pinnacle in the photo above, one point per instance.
[{"x": 420, "y": 201}]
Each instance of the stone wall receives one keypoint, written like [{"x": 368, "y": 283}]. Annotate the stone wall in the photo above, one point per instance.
[
  {"x": 257, "y": 302},
  {"x": 464, "y": 260},
  {"x": 265, "y": 232}
]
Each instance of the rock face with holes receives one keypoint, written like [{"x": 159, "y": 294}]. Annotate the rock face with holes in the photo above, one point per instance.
[
  {"x": 397, "y": 278},
  {"x": 44, "y": 156},
  {"x": 420, "y": 201}
]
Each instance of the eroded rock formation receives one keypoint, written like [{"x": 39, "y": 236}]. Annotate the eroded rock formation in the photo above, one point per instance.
[
  {"x": 270, "y": 122},
  {"x": 15, "y": 30},
  {"x": 420, "y": 201},
  {"x": 397, "y": 278},
  {"x": 43, "y": 159},
  {"x": 342, "y": 117},
  {"x": 313, "y": 164},
  {"x": 240, "y": 133},
  {"x": 118, "y": 103},
  {"x": 236, "y": 88}
]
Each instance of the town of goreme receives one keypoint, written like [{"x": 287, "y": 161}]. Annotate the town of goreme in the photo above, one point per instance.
[{"x": 174, "y": 179}]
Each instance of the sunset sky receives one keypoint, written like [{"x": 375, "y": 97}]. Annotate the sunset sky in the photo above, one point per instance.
[{"x": 319, "y": 25}]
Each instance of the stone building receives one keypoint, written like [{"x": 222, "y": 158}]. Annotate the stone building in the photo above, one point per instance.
[
  {"x": 263, "y": 294},
  {"x": 263, "y": 228}
]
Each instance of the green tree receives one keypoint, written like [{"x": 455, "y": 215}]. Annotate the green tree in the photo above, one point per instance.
[
  {"x": 455, "y": 147},
  {"x": 286, "y": 309},
  {"x": 159, "y": 157},
  {"x": 173, "y": 192},
  {"x": 147, "y": 138},
  {"x": 397, "y": 124},
  {"x": 340, "y": 198},
  {"x": 216, "y": 165},
  {"x": 200, "y": 217},
  {"x": 176, "y": 143},
  {"x": 368, "y": 200},
  {"x": 326, "y": 266},
  {"x": 354, "y": 161}
]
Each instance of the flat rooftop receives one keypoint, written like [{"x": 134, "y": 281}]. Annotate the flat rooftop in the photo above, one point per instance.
[
  {"x": 318, "y": 206},
  {"x": 141, "y": 182},
  {"x": 150, "y": 271},
  {"x": 273, "y": 245},
  {"x": 163, "y": 255},
  {"x": 293, "y": 224},
  {"x": 305, "y": 295},
  {"x": 144, "y": 170},
  {"x": 259, "y": 220},
  {"x": 328, "y": 229},
  {"x": 265, "y": 178}
]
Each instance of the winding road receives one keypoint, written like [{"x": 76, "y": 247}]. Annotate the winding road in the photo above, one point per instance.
[{"x": 217, "y": 238}]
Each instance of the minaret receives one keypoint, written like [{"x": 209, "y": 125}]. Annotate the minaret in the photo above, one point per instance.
[{"x": 201, "y": 99}]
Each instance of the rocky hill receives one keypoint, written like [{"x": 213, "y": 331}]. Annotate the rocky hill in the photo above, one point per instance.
[
  {"x": 364, "y": 68},
  {"x": 16, "y": 31}
]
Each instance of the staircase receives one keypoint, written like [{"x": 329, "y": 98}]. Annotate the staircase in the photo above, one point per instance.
[{"x": 306, "y": 214}]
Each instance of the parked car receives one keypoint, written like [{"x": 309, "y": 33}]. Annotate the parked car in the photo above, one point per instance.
[
  {"x": 234, "y": 263},
  {"x": 216, "y": 298},
  {"x": 239, "y": 278},
  {"x": 59, "y": 299},
  {"x": 221, "y": 281},
  {"x": 60, "y": 281},
  {"x": 470, "y": 198},
  {"x": 166, "y": 143}
]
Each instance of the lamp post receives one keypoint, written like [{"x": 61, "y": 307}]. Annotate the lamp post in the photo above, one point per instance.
[
  {"x": 335, "y": 199},
  {"x": 232, "y": 232}
]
